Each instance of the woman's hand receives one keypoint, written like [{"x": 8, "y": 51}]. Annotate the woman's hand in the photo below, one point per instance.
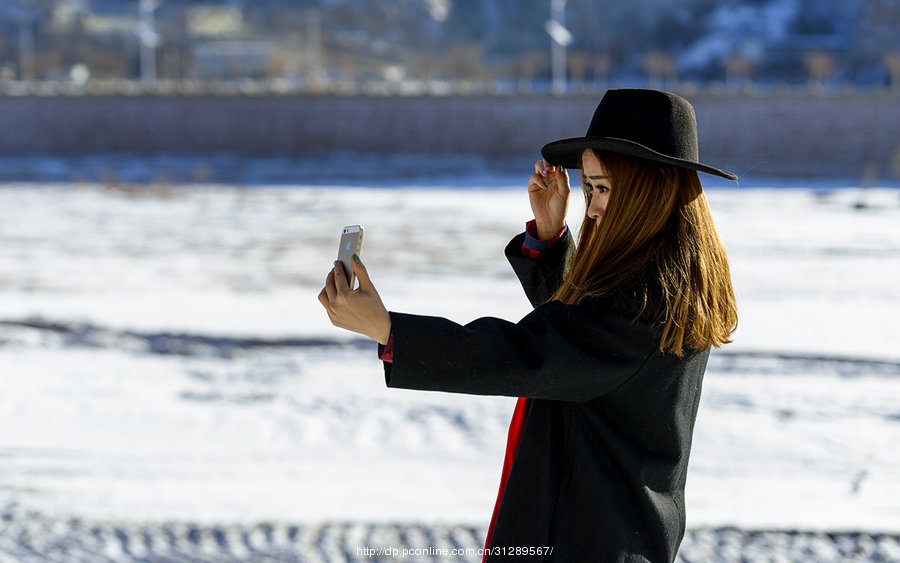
[
  {"x": 548, "y": 191},
  {"x": 359, "y": 310}
]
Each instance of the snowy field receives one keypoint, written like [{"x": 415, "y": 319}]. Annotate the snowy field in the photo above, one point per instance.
[{"x": 170, "y": 388}]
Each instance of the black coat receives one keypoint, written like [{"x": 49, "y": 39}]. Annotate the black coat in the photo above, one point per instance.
[{"x": 600, "y": 470}]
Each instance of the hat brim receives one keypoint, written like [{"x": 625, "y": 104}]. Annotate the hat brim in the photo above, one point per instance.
[{"x": 567, "y": 153}]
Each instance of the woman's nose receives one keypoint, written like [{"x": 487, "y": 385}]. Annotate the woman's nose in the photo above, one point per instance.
[{"x": 595, "y": 210}]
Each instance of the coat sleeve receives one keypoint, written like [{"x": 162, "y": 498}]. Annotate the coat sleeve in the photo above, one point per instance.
[
  {"x": 540, "y": 277},
  {"x": 558, "y": 352}
]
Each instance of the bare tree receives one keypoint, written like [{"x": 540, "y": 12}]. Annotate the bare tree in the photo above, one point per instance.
[
  {"x": 661, "y": 68},
  {"x": 529, "y": 65},
  {"x": 892, "y": 62},
  {"x": 578, "y": 63},
  {"x": 464, "y": 61},
  {"x": 895, "y": 162},
  {"x": 422, "y": 66},
  {"x": 820, "y": 66},
  {"x": 738, "y": 69},
  {"x": 277, "y": 62},
  {"x": 602, "y": 66},
  {"x": 103, "y": 63},
  {"x": 348, "y": 66}
]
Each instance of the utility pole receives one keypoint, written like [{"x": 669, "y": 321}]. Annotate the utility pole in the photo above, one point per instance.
[
  {"x": 26, "y": 43},
  {"x": 313, "y": 48},
  {"x": 560, "y": 37},
  {"x": 148, "y": 38}
]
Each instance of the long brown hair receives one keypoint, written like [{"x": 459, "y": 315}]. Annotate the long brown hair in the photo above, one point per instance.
[{"x": 657, "y": 232}]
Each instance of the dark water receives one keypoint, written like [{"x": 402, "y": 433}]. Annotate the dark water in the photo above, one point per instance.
[
  {"x": 334, "y": 168},
  {"x": 320, "y": 169}
]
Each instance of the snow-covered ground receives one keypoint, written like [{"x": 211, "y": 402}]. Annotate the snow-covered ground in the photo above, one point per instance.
[{"x": 163, "y": 357}]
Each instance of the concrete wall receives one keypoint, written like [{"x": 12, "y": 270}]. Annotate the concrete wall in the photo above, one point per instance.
[{"x": 838, "y": 136}]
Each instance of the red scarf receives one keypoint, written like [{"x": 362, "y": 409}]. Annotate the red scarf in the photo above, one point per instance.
[{"x": 512, "y": 444}]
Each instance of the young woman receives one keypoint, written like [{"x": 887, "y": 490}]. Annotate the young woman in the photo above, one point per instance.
[{"x": 609, "y": 364}]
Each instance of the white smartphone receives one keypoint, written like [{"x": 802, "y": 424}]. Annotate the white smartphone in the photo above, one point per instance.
[{"x": 351, "y": 243}]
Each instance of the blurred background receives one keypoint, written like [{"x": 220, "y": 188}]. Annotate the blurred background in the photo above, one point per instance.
[
  {"x": 173, "y": 178},
  {"x": 447, "y": 46}
]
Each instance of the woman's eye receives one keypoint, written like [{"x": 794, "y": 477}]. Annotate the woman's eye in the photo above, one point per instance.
[{"x": 600, "y": 189}]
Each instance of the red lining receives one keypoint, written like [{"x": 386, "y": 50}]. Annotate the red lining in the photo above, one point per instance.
[{"x": 512, "y": 445}]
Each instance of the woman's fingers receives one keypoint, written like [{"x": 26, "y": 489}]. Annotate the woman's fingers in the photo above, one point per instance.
[
  {"x": 539, "y": 179},
  {"x": 336, "y": 284},
  {"x": 554, "y": 174},
  {"x": 340, "y": 277},
  {"x": 542, "y": 169},
  {"x": 360, "y": 311},
  {"x": 563, "y": 179},
  {"x": 330, "y": 288},
  {"x": 365, "y": 284}
]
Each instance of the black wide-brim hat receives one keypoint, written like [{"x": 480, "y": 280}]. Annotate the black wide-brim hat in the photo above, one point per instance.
[{"x": 650, "y": 124}]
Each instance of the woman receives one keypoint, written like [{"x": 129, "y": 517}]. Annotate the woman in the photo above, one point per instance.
[{"x": 609, "y": 365}]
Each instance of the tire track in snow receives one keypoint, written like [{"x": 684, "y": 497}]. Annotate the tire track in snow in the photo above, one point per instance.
[{"x": 29, "y": 536}]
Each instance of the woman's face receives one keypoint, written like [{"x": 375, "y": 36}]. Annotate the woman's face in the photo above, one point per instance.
[{"x": 596, "y": 185}]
